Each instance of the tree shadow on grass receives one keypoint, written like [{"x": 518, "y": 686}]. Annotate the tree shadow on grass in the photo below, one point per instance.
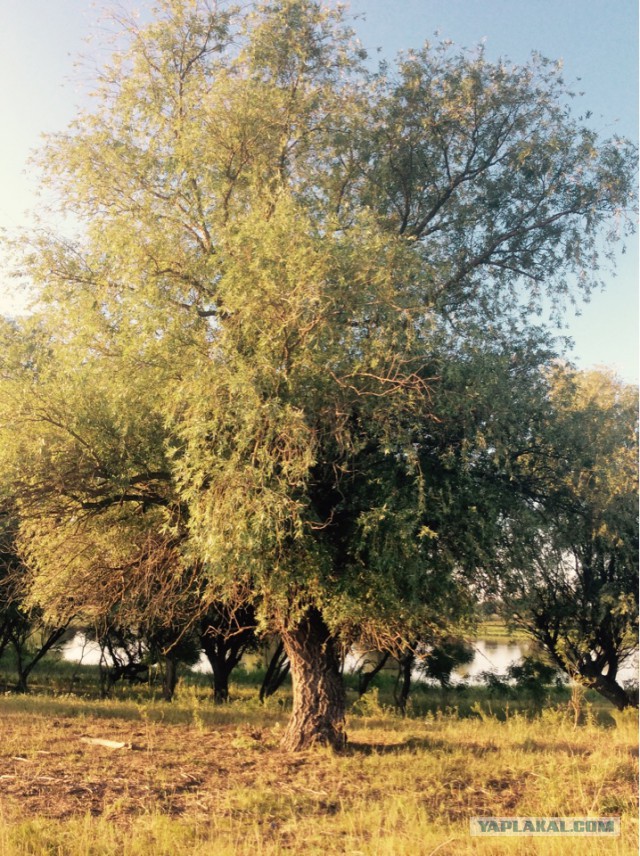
[{"x": 417, "y": 744}]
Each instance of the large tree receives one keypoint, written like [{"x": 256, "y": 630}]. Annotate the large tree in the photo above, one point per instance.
[{"x": 302, "y": 258}]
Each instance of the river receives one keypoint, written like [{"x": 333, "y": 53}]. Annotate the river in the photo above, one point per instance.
[{"x": 490, "y": 656}]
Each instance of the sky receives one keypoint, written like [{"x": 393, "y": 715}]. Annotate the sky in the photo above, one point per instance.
[{"x": 41, "y": 89}]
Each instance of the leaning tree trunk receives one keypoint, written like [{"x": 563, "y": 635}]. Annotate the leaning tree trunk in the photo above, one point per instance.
[
  {"x": 25, "y": 669},
  {"x": 365, "y": 678},
  {"x": 607, "y": 685},
  {"x": 318, "y": 715},
  {"x": 277, "y": 671},
  {"x": 610, "y": 689}
]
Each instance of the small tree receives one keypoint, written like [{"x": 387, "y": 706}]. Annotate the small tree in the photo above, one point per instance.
[
  {"x": 124, "y": 655},
  {"x": 575, "y": 589},
  {"x": 533, "y": 676},
  {"x": 444, "y": 657},
  {"x": 23, "y": 627},
  {"x": 226, "y": 636}
]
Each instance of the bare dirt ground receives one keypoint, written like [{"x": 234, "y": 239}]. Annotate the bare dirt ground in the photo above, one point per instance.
[{"x": 47, "y": 769}]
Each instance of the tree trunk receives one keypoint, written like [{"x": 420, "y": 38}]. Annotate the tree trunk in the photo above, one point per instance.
[
  {"x": 221, "y": 685},
  {"x": 223, "y": 655},
  {"x": 170, "y": 677},
  {"x": 21, "y": 685},
  {"x": 277, "y": 671},
  {"x": 403, "y": 681},
  {"x": 610, "y": 689},
  {"x": 318, "y": 715},
  {"x": 365, "y": 678},
  {"x": 25, "y": 669},
  {"x": 221, "y": 667}
]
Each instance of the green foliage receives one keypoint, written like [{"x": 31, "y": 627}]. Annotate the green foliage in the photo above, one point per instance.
[
  {"x": 575, "y": 587},
  {"x": 533, "y": 676},
  {"x": 446, "y": 656},
  {"x": 496, "y": 685}
]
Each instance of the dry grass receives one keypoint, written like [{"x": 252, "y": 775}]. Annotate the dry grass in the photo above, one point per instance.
[{"x": 199, "y": 780}]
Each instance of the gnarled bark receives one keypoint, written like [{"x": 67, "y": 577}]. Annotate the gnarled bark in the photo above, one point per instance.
[{"x": 318, "y": 715}]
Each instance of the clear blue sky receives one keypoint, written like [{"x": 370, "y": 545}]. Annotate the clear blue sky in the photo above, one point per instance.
[{"x": 597, "y": 40}]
